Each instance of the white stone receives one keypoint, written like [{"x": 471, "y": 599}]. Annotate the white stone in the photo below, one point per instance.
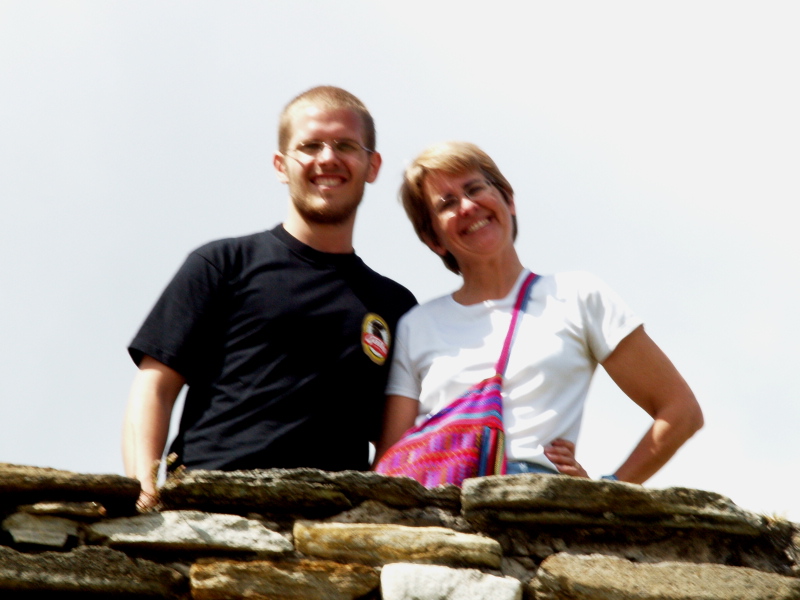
[
  {"x": 40, "y": 529},
  {"x": 400, "y": 581},
  {"x": 189, "y": 529}
]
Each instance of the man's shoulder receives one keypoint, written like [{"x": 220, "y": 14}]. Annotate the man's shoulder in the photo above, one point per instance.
[
  {"x": 236, "y": 250},
  {"x": 387, "y": 282},
  {"x": 387, "y": 286},
  {"x": 237, "y": 243}
]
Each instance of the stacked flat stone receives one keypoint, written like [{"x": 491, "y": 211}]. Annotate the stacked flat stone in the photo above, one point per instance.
[{"x": 305, "y": 534}]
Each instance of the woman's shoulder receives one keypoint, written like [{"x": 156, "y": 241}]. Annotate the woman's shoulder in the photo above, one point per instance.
[
  {"x": 570, "y": 282},
  {"x": 585, "y": 290},
  {"x": 429, "y": 309}
]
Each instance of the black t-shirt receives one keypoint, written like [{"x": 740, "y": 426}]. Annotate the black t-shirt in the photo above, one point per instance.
[{"x": 285, "y": 349}]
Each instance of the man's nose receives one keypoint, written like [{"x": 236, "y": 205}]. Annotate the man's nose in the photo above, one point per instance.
[{"x": 327, "y": 153}]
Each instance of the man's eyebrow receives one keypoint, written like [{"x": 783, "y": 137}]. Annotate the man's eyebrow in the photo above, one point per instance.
[{"x": 334, "y": 139}]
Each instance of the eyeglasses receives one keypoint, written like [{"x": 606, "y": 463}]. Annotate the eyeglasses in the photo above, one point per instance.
[
  {"x": 341, "y": 148},
  {"x": 473, "y": 190}
]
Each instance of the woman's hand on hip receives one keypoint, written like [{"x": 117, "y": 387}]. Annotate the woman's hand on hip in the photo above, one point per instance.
[{"x": 562, "y": 454}]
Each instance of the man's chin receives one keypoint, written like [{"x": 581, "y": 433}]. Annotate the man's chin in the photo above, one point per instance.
[
  {"x": 327, "y": 217},
  {"x": 326, "y": 214}
]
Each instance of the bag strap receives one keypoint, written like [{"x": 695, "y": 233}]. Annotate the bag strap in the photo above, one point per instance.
[{"x": 519, "y": 306}]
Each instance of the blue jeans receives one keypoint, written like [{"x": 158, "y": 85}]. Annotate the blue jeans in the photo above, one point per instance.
[{"x": 520, "y": 466}]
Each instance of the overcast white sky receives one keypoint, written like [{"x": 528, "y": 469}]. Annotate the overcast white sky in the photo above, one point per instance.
[{"x": 654, "y": 144}]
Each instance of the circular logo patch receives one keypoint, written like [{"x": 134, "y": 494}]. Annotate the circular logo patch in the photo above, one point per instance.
[{"x": 375, "y": 338}]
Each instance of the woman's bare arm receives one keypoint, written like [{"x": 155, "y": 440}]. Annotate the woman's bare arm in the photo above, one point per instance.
[{"x": 642, "y": 370}]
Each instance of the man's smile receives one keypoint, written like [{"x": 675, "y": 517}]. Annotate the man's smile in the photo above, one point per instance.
[{"x": 328, "y": 180}]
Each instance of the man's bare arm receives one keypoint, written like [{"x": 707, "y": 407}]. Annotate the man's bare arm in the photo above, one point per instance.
[{"x": 153, "y": 393}]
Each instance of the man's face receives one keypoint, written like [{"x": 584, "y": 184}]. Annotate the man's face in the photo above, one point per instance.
[{"x": 325, "y": 165}]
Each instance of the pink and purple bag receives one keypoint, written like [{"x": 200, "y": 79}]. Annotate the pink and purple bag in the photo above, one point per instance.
[{"x": 464, "y": 439}]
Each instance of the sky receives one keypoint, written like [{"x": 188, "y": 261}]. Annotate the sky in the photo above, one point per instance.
[{"x": 653, "y": 144}]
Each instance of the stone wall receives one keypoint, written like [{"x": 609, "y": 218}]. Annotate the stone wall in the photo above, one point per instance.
[{"x": 285, "y": 534}]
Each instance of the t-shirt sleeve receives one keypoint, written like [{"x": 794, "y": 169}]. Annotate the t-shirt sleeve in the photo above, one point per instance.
[
  {"x": 402, "y": 379},
  {"x": 180, "y": 325},
  {"x": 607, "y": 318}
]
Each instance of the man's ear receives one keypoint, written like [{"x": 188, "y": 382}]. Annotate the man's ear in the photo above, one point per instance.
[
  {"x": 279, "y": 162},
  {"x": 375, "y": 162}
]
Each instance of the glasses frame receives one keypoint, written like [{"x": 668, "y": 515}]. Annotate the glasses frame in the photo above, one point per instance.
[
  {"x": 447, "y": 202},
  {"x": 304, "y": 156}
]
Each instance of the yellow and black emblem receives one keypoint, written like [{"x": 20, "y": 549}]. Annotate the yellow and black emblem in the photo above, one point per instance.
[{"x": 375, "y": 338}]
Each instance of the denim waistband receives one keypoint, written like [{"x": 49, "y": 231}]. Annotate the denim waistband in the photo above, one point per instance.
[{"x": 520, "y": 466}]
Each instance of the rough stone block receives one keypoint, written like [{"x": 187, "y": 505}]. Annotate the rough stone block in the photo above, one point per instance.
[
  {"x": 303, "y": 492},
  {"x": 381, "y": 544},
  {"x": 544, "y": 499},
  {"x": 300, "y": 580},
  {"x": 599, "y": 577},
  {"x": 21, "y": 484},
  {"x": 40, "y": 530},
  {"x": 81, "y": 511},
  {"x": 372, "y": 511},
  {"x": 88, "y": 570}
]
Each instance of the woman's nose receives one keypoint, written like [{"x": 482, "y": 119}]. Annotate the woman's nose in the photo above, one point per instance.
[{"x": 467, "y": 204}]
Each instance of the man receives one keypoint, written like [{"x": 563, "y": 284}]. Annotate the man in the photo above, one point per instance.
[{"x": 284, "y": 336}]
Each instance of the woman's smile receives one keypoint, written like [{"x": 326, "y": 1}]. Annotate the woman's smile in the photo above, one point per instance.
[{"x": 480, "y": 224}]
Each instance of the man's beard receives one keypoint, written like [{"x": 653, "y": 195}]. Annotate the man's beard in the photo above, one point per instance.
[{"x": 325, "y": 213}]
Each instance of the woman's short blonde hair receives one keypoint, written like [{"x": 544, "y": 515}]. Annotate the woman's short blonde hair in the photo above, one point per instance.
[{"x": 451, "y": 158}]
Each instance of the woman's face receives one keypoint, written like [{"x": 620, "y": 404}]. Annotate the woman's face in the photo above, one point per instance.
[{"x": 470, "y": 215}]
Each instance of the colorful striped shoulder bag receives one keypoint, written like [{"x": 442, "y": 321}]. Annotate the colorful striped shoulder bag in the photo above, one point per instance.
[{"x": 465, "y": 438}]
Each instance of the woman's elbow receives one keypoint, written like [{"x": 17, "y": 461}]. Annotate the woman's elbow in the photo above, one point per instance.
[
  {"x": 697, "y": 419},
  {"x": 690, "y": 416},
  {"x": 681, "y": 414}
]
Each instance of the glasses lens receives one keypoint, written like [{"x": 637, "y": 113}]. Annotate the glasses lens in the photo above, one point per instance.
[
  {"x": 476, "y": 189},
  {"x": 341, "y": 148},
  {"x": 346, "y": 147}
]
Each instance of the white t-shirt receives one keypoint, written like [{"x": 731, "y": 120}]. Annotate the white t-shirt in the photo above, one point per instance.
[{"x": 572, "y": 322}]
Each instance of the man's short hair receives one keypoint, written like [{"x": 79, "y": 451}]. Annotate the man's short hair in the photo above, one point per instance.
[
  {"x": 451, "y": 158},
  {"x": 327, "y": 97}
]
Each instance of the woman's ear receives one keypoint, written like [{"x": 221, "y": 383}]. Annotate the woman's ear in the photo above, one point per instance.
[
  {"x": 434, "y": 245},
  {"x": 511, "y": 206}
]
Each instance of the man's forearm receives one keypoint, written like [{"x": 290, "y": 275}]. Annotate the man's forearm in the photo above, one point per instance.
[
  {"x": 145, "y": 436},
  {"x": 153, "y": 394}
]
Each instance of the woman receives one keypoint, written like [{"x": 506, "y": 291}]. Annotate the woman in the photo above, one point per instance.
[{"x": 462, "y": 208}]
